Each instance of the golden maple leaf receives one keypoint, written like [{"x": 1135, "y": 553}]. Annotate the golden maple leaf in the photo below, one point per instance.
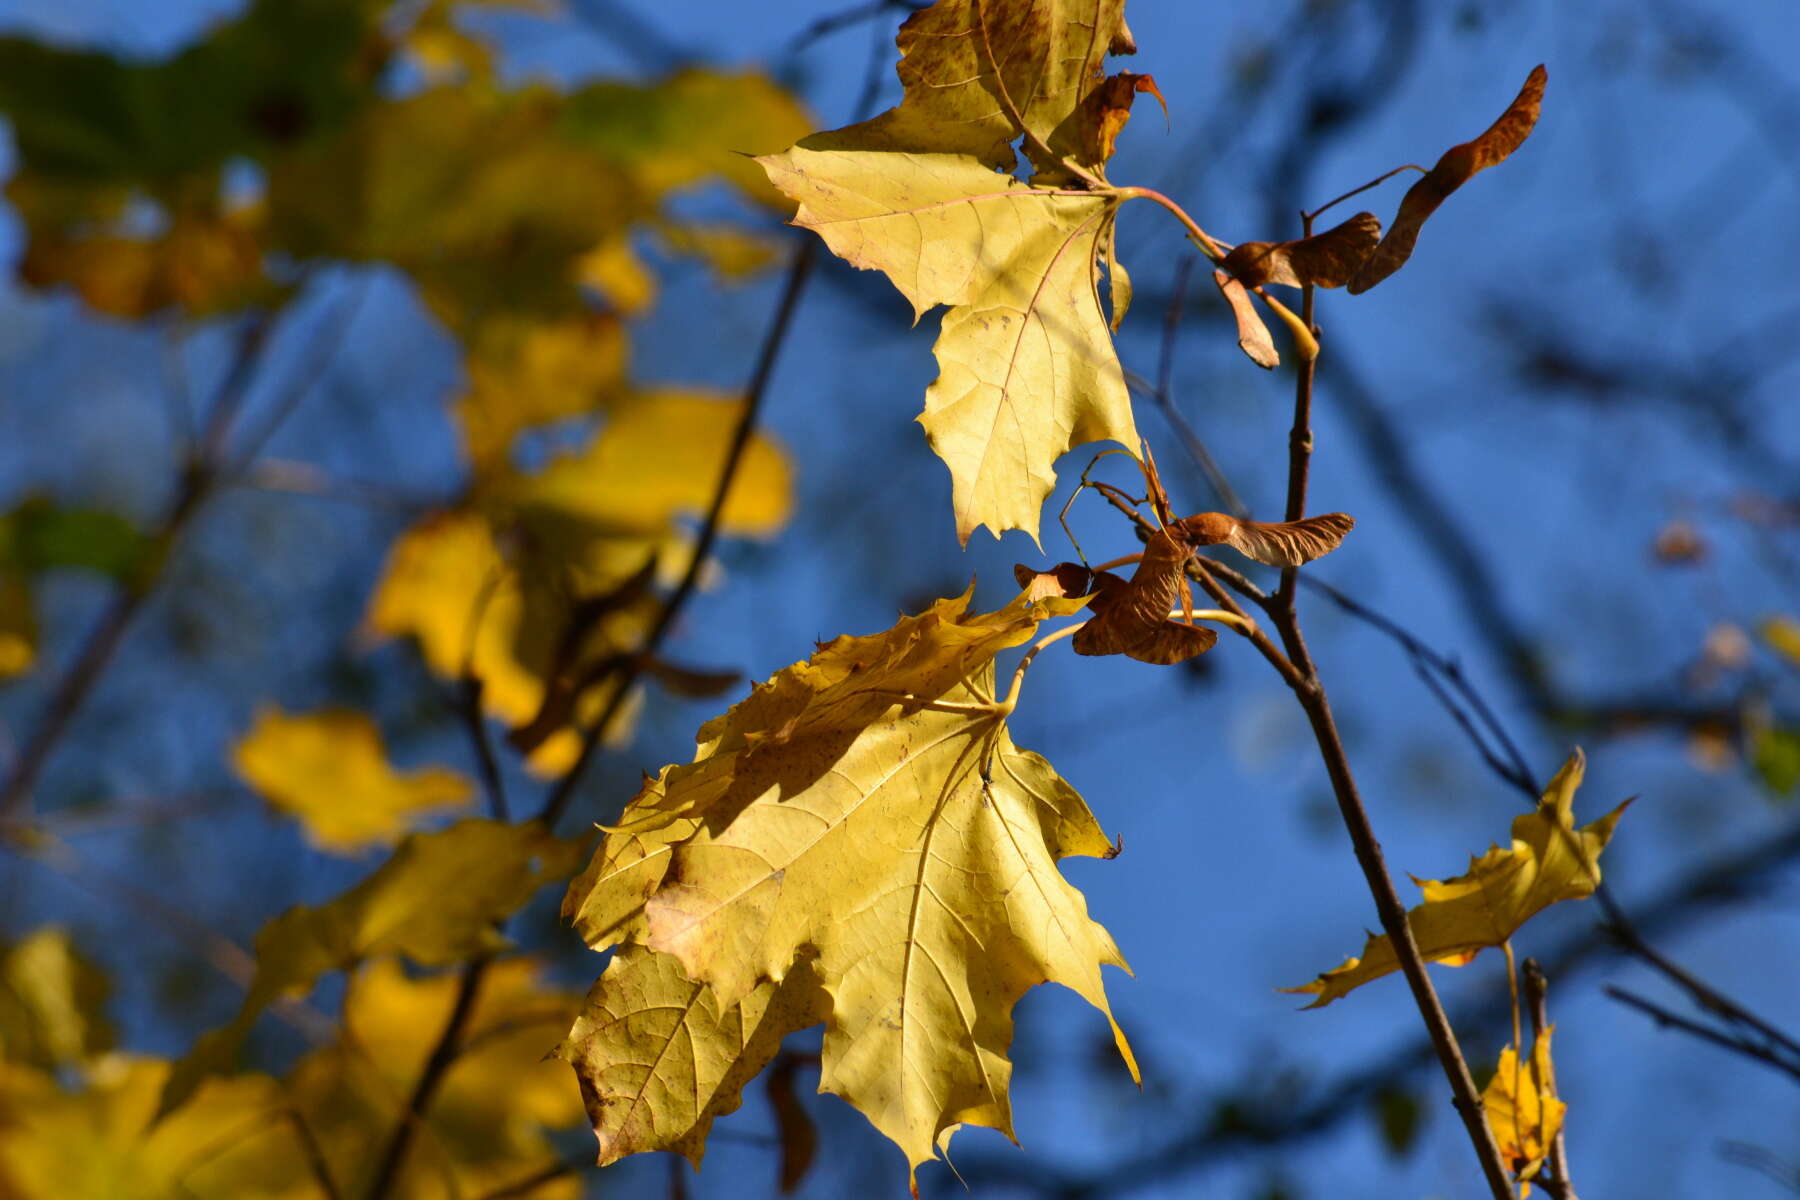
[
  {"x": 1549, "y": 860},
  {"x": 659, "y": 1057},
  {"x": 980, "y": 74},
  {"x": 1522, "y": 1108},
  {"x": 1027, "y": 365},
  {"x": 865, "y": 816},
  {"x": 1028, "y": 368}
]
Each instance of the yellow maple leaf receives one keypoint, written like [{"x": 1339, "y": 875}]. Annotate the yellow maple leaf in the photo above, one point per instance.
[
  {"x": 659, "y": 1057},
  {"x": 1027, "y": 365},
  {"x": 525, "y": 372},
  {"x": 979, "y": 74},
  {"x": 231, "y": 1141},
  {"x": 865, "y": 814},
  {"x": 329, "y": 771},
  {"x": 52, "y": 1002},
  {"x": 1523, "y": 1110},
  {"x": 1549, "y": 860}
]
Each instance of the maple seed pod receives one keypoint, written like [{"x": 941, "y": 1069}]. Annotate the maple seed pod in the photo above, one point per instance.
[{"x": 1278, "y": 544}]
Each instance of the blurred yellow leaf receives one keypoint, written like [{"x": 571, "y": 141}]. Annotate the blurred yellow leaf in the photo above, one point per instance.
[
  {"x": 529, "y": 372},
  {"x": 1549, "y": 860},
  {"x": 525, "y": 206},
  {"x": 437, "y": 900},
  {"x": 329, "y": 770},
  {"x": 485, "y": 1126},
  {"x": 732, "y": 253},
  {"x": 447, "y": 586},
  {"x": 614, "y": 270},
  {"x": 204, "y": 262},
  {"x": 18, "y": 625},
  {"x": 1783, "y": 636},
  {"x": 1523, "y": 1110},
  {"x": 101, "y": 1139},
  {"x": 52, "y": 1003},
  {"x": 660, "y": 456},
  {"x": 678, "y": 131}
]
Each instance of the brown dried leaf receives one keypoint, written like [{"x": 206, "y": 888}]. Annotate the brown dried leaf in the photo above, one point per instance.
[
  {"x": 1455, "y": 168},
  {"x": 1063, "y": 581},
  {"x": 1253, "y": 335},
  {"x": 1326, "y": 260},
  {"x": 1103, "y": 113},
  {"x": 1132, "y": 618},
  {"x": 799, "y": 1136},
  {"x": 1277, "y": 543}
]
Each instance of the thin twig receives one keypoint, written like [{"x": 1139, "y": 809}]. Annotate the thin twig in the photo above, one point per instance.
[
  {"x": 103, "y": 643},
  {"x": 1705, "y": 1033},
  {"x": 1310, "y": 692},
  {"x": 474, "y": 722},
  {"x": 1300, "y": 446},
  {"x": 800, "y": 268},
  {"x": 442, "y": 1055},
  {"x": 1537, "y": 996},
  {"x": 313, "y": 1153}
]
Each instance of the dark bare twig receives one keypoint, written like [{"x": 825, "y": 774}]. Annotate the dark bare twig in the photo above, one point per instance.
[
  {"x": 830, "y": 23},
  {"x": 96, "y": 654},
  {"x": 314, "y": 1154},
  {"x": 1763, "y": 1161},
  {"x": 1706, "y": 1033},
  {"x": 773, "y": 340},
  {"x": 474, "y": 723},
  {"x": 442, "y": 1055}
]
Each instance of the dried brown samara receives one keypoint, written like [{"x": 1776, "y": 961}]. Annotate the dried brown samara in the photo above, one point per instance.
[
  {"x": 1145, "y": 617},
  {"x": 1455, "y": 168},
  {"x": 1326, "y": 260}
]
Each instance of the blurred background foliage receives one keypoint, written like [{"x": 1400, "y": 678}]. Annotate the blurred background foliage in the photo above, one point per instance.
[{"x": 365, "y": 365}]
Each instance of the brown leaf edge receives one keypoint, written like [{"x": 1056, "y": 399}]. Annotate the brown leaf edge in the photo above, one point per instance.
[{"x": 1455, "y": 168}]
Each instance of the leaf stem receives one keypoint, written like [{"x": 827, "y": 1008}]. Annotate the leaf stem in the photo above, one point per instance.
[
  {"x": 442, "y": 1055},
  {"x": 1197, "y": 235},
  {"x": 1537, "y": 995},
  {"x": 1357, "y": 191}
]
